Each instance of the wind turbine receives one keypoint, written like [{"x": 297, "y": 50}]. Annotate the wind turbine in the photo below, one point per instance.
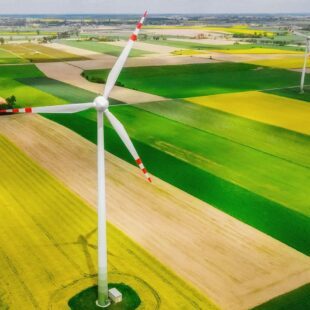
[
  {"x": 307, "y": 50},
  {"x": 101, "y": 105}
]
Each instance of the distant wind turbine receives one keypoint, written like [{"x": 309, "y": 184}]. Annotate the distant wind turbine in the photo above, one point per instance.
[
  {"x": 307, "y": 50},
  {"x": 101, "y": 104}
]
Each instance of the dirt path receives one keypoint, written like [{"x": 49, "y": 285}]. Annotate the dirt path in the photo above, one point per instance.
[
  {"x": 153, "y": 48},
  {"x": 72, "y": 50},
  {"x": 235, "y": 265},
  {"x": 154, "y": 60},
  {"x": 71, "y": 74}
]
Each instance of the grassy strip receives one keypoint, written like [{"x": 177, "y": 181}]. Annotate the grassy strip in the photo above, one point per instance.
[
  {"x": 295, "y": 300},
  {"x": 62, "y": 90},
  {"x": 193, "y": 80},
  {"x": 103, "y": 48},
  {"x": 253, "y": 209},
  {"x": 22, "y": 71},
  {"x": 293, "y": 93},
  {"x": 276, "y": 141},
  {"x": 86, "y": 299}
]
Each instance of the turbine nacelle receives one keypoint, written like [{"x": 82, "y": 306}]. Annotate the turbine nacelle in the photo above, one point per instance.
[{"x": 101, "y": 103}]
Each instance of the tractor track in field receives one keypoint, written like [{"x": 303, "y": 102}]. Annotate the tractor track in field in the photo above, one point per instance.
[{"x": 209, "y": 247}]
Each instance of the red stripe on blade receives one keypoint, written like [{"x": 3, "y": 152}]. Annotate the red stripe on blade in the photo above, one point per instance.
[
  {"x": 133, "y": 37},
  {"x": 28, "y": 110},
  {"x": 144, "y": 170},
  {"x": 145, "y": 14},
  {"x": 139, "y": 25},
  {"x": 139, "y": 161},
  {"x": 2, "y": 111},
  {"x": 150, "y": 180},
  {"x": 15, "y": 110}
]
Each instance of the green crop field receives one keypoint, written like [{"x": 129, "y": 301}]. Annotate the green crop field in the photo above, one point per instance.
[
  {"x": 293, "y": 92},
  {"x": 295, "y": 300},
  {"x": 235, "y": 185},
  {"x": 103, "y": 48},
  {"x": 22, "y": 71},
  {"x": 282, "y": 143},
  {"x": 200, "y": 79},
  {"x": 62, "y": 90},
  {"x": 51, "y": 254},
  {"x": 31, "y": 52}
]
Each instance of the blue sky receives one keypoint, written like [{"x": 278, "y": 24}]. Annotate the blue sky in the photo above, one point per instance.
[{"x": 154, "y": 6}]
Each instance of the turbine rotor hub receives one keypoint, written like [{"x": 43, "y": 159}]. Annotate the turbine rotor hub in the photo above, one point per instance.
[{"x": 101, "y": 104}]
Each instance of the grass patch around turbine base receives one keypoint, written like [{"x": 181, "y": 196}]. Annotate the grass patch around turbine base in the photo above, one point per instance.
[{"x": 86, "y": 299}]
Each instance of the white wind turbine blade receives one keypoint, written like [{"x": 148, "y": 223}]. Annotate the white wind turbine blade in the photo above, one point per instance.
[
  {"x": 67, "y": 108},
  {"x": 119, "y": 128},
  {"x": 117, "y": 68}
]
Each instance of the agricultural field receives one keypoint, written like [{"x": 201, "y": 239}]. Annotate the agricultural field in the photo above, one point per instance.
[
  {"x": 240, "y": 133},
  {"x": 30, "y": 52},
  {"x": 9, "y": 58},
  {"x": 64, "y": 254},
  {"x": 241, "y": 183},
  {"x": 283, "y": 62},
  {"x": 230, "y": 30},
  {"x": 271, "y": 109},
  {"x": 103, "y": 48},
  {"x": 200, "y": 79}
]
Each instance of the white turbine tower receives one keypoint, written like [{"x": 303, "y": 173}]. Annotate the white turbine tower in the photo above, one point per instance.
[
  {"x": 307, "y": 50},
  {"x": 101, "y": 104}
]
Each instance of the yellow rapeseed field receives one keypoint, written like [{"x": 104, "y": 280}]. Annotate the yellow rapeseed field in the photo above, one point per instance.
[
  {"x": 257, "y": 50},
  {"x": 48, "y": 246},
  {"x": 285, "y": 62},
  {"x": 271, "y": 109}
]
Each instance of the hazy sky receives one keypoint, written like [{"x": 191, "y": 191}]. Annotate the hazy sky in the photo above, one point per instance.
[{"x": 154, "y": 6}]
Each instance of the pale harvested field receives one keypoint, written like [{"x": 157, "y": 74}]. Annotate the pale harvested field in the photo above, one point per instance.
[
  {"x": 153, "y": 48},
  {"x": 72, "y": 50},
  {"x": 70, "y": 74},
  {"x": 233, "y": 264}
]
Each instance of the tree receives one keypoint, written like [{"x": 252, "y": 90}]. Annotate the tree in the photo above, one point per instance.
[
  {"x": 1, "y": 41},
  {"x": 11, "y": 101}
]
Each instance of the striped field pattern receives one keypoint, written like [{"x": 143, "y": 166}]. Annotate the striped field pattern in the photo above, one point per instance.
[{"x": 48, "y": 246}]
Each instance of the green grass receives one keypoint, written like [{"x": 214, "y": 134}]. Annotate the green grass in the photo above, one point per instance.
[
  {"x": 295, "y": 300},
  {"x": 86, "y": 299},
  {"x": 293, "y": 93},
  {"x": 253, "y": 209},
  {"x": 281, "y": 143},
  {"x": 200, "y": 79},
  {"x": 103, "y": 48}
]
